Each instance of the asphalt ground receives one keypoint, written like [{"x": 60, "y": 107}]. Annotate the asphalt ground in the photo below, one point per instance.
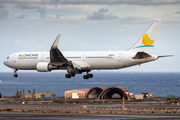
[
  {"x": 39, "y": 116},
  {"x": 91, "y": 106}
]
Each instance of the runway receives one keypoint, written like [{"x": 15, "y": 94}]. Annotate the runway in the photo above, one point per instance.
[
  {"x": 30, "y": 116},
  {"x": 91, "y": 106}
]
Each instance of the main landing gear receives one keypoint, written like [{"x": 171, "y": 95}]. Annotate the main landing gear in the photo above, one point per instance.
[
  {"x": 70, "y": 75},
  {"x": 15, "y": 73},
  {"x": 88, "y": 76}
]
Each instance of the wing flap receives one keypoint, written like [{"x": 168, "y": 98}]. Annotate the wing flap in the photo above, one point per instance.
[
  {"x": 76, "y": 65},
  {"x": 81, "y": 65}
]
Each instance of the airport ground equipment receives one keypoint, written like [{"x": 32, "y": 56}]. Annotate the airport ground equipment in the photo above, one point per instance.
[{"x": 169, "y": 97}]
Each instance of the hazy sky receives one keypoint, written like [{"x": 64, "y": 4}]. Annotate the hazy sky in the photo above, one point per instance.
[{"x": 33, "y": 25}]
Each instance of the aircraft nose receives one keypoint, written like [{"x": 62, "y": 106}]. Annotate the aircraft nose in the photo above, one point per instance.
[{"x": 5, "y": 62}]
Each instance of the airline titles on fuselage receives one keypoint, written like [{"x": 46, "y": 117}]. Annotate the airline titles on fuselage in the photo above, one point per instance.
[{"x": 28, "y": 56}]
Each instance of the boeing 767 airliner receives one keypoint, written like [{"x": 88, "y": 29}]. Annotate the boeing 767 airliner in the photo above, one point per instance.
[{"x": 84, "y": 61}]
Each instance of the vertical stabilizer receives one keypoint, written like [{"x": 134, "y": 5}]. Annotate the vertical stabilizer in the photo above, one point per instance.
[{"x": 147, "y": 41}]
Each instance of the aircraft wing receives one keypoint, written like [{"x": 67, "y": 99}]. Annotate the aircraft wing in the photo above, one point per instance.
[
  {"x": 80, "y": 65},
  {"x": 56, "y": 57}
]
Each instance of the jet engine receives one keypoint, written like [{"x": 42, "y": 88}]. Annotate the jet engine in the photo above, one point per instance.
[{"x": 45, "y": 67}]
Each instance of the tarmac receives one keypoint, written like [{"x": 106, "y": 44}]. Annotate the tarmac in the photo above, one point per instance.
[
  {"x": 90, "y": 105},
  {"x": 89, "y": 109},
  {"x": 49, "y": 110}
]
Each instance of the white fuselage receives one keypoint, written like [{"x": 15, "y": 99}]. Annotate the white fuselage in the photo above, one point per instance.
[{"x": 93, "y": 60}]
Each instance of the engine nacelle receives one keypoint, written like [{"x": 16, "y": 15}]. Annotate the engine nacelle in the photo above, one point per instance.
[{"x": 45, "y": 67}]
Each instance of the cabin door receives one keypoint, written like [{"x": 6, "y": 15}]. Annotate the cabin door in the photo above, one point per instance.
[{"x": 119, "y": 57}]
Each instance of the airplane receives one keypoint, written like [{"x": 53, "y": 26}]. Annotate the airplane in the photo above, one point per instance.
[{"x": 77, "y": 62}]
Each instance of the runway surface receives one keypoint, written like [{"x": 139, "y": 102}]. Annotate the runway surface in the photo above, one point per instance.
[
  {"x": 88, "y": 105},
  {"x": 31, "y": 116}
]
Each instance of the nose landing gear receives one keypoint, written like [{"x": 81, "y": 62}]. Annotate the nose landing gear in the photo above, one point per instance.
[{"x": 15, "y": 73}]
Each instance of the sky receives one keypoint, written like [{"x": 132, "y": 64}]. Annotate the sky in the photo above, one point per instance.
[{"x": 94, "y": 25}]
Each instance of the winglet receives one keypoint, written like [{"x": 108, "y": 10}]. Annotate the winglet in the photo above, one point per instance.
[
  {"x": 56, "y": 42},
  {"x": 56, "y": 57}
]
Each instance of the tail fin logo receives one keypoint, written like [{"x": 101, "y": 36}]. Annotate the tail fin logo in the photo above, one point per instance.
[{"x": 147, "y": 41}]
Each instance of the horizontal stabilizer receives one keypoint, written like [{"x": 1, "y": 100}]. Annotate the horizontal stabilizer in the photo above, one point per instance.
[
  {"x": 141, "y": 55},
  {"x": 165, "y": 56}
]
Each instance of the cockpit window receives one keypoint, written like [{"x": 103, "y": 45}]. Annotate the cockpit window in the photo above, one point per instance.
[{"x": 8, "y": 57}]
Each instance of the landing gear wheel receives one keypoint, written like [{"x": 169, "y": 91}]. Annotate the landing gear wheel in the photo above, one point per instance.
[
  {"x": 72, "y": 74},
  {"x": 68, "y": 76},
  {"x": 15, "y": 75},
  {"x": 85, "y": 77},
  {"x": 90, "y": 75}
]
